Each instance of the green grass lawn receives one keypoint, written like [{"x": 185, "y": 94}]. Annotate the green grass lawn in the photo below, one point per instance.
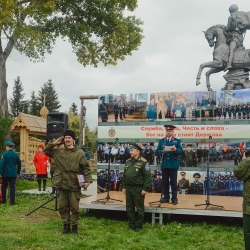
[{"x": 108, "y": 229}]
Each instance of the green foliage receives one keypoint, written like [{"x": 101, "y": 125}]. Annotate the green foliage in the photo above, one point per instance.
[
  {"x": 51, "y": 97},
  {"x": 17, "y": 104},
  {"x": 97, "y": 30},
  {"x": 90, "y": 140},
  {"x": 34, "y": 106},
  {"x": 73, "y": 108},
  {"x": 5, "y": 124},
  {"x": 73, "y": 122}
]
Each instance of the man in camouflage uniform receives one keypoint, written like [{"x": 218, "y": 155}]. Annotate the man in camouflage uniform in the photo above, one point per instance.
[
  {"x": 136, "y": 182},
  {"x": 190, "y": 156},
  {"x": 70, "y": 161},
  {"x": 242, "y": 172}
]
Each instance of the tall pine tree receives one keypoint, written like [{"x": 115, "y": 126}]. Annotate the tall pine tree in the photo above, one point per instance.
[
  {"x": 73, "y": 108},
  {"x": 52, "y": 102},
  {"x": 17, "y": 104},
  {"x": 34, "y": 107}
]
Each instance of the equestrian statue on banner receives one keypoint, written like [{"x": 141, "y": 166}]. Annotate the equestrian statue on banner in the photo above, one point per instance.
[{"x": 229, "y": 52}]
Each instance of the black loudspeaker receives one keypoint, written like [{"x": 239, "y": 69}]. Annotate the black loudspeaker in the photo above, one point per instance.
[{"x": 57, "y": 124}]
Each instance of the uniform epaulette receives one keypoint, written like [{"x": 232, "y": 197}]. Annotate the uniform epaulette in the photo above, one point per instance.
[
  {"x": 128, "y": 159},
  {"x": 143, "y": 159},
  {"x": 193, "y": 150},
  {"x": 176, "y": 138}
]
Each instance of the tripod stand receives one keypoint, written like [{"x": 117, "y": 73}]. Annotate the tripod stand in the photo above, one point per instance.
[
  {"x": 207, "y": 201},
  {"x": 42, "y": 206},
  {"x": 107, "y": 199}
]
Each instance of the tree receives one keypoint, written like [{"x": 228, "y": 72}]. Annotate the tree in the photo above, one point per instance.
[
  {"x": 73, "y": 122},
  {"x": 34, "y": 107},
  {"x": 99, "y": 31},
  {"x": 90, "y": 139},
  {"x": 73, "y": 108},
  {"x": 17, "y": 104},
  {"x": 5, "y": 124},
  {"x": 51, "y": 97}
]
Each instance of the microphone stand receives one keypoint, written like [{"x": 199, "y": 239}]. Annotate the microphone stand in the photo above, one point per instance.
[
  {"x": 207, "y": 201},
  {"x": 159, "y": 202},
  {"x": 43, "y": 205},
  {"x": 107, "y": 199}
]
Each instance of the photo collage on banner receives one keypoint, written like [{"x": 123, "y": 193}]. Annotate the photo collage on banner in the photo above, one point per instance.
[
  {"x": 174, "y": 106},
  {"x": 213, "y": 128}
]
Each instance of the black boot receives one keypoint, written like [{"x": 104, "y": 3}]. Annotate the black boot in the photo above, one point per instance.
[
  {"x": 44, "y": 184},
  {"x": 66, "y": 229},
  {"x": 74, "y": 229},
  {"x": 39, "y": 184}
]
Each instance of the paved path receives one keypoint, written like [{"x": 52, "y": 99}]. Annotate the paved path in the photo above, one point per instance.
[{"x": 92, "y": 189}]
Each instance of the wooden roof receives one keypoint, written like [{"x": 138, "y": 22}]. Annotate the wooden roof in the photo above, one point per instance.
[{"x": 34, "y": 124}]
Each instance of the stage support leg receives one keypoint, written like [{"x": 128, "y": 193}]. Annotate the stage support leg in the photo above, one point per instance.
[{"x": 157, "y": 217}]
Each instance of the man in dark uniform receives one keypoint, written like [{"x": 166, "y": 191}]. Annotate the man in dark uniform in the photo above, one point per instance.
[
  {"x": 103, "y": 109},
  {"x": 101, "y": 181},
  {"x": 196, "y": 187},
  {"x": 135, "y": 184},
  {"x": 10, "y": 166},
  {"x": 116, "y": 110},
  {"x": 183, "y": 183},
  {"x": 170, "y": 148}
]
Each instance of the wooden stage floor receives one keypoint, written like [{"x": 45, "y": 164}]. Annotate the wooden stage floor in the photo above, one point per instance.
[{"x": 232, "y": 206}]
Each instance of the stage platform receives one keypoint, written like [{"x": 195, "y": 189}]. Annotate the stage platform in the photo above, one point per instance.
[{"x": 232, "y": 206}]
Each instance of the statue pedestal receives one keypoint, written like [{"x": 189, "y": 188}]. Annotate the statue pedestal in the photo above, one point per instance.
[{"x": 236, "y": 79}]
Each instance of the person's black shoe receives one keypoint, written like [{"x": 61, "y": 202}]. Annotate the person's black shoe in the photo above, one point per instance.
[
  {"x": 164, "y": 200},
  {"x": 175, "y": 202}
]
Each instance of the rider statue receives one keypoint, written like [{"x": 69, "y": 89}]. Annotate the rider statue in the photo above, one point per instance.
[{"x": 238, "y": 24}]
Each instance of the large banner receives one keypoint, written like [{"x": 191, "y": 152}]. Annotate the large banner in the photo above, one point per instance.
[{"x": 213, "y": 127}]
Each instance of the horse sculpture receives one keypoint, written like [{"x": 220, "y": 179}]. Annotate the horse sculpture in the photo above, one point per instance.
[{"x": 220, "y": 55}]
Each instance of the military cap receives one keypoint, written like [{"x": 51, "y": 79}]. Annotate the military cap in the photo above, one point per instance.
[
  {"x": 189, "y": 145},
  {"x": 183, "y": 173},
  {"x": 9, "y": 143},
  {"x": 197, "y": 174},
  {"x": 102, "y": 97},
  {"x": 169, "y": 127},
  {"x": 136, "y": 146}
]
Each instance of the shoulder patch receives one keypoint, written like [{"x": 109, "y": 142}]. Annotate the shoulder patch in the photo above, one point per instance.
[
  {"x": 128, "y": 159},
  {"x": 143, "y": 159},
  {"x": 147, "y": 167}
]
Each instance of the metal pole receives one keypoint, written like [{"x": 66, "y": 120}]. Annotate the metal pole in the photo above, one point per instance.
[{"x": 81, "y": 124}]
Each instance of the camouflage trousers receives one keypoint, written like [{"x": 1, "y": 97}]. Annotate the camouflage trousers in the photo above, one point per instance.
[
  {"x": 69, "y": 206},
  {"x": 135, "y": 199},
  {"x": 246, "y": 227}
]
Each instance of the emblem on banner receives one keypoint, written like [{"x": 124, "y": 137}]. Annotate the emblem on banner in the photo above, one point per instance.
[{"x": 111, "y": 132}]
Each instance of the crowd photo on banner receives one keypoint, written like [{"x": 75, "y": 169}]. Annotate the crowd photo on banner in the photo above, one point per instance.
[{"x": 175, "y": 106}]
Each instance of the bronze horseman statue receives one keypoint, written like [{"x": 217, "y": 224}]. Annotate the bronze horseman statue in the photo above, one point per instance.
[{"x": 229, "y": 53}]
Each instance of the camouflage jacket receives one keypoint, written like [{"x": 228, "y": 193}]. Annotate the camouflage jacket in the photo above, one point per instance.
[
  {"x": 242, "y": 172},
  {"x": 69, "y": 162}
]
